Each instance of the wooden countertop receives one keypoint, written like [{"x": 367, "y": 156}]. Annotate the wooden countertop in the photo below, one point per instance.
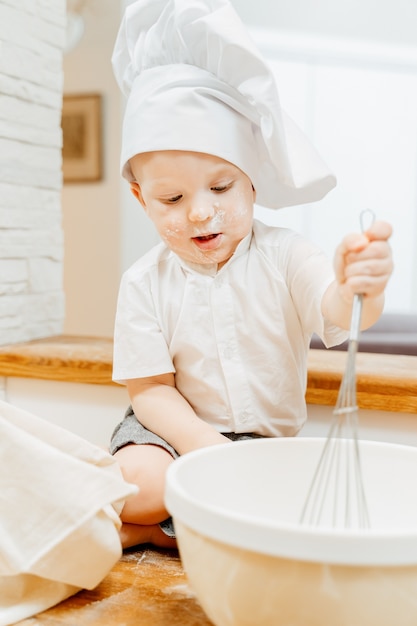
[
  {"x": 147, "y": 587},
  {"x": 384, "y": 382},
  {"x": 66, "y": 358}
]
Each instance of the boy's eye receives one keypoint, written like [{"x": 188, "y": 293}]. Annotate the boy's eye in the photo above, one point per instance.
[
  {"x": 172, "y": 200},
  {"x": 221, "y": 188}
]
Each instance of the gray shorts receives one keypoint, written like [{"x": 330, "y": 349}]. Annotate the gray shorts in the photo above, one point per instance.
[{"x": 131, "y": 431}]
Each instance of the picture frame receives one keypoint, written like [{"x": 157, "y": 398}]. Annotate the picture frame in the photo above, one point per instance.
[{"x": 81, "y": 136}]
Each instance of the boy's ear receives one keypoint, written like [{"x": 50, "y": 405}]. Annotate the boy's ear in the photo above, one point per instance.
[
  {"x": 254, "y": 193},
  {"x": 137, "y": 192}
]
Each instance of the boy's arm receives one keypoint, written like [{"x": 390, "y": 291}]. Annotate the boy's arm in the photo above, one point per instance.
[
  {"x": 363, "y": 265},
  {"x": 163, "y": 410}
]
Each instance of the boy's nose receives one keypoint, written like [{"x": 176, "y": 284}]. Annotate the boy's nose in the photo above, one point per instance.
[{"x": 201, "y": 212}]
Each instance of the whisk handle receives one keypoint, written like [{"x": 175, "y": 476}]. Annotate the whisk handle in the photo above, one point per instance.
[{"x": 355, "y": 322}]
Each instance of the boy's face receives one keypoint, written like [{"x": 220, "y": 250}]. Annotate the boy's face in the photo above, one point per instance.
[{"x": 201, "y": 205}]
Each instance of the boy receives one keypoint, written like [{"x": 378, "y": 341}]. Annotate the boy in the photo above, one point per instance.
[{"x": 213, "y": 325}]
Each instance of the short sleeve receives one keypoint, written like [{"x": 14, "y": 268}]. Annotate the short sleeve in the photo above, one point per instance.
[
  {"x": 309, "y": 272},
  {"x": 140, "y": 348}
]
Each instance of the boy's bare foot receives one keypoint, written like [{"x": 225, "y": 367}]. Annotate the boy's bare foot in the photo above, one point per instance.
[{"x": 133, "y": 535}]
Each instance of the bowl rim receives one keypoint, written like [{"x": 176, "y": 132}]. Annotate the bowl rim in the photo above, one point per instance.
[{"x": 360, "y": 547}]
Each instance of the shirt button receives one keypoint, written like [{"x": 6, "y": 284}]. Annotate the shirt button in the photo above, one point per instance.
[
  {"x": 244, "y": 417},
  {"x": 199, "y": 295},
  {"x": 228, "y": 352}
]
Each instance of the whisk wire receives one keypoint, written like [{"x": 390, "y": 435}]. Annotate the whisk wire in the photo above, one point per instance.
[
  {"x": 340, "y": 457},
  {"x": 337, "y": 489}
]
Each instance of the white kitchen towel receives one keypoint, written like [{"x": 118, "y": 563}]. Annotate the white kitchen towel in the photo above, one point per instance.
[{"x": 60, "y": 499}]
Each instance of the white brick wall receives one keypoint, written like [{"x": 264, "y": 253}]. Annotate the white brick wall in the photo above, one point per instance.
[{"x": 32, "y": 36}]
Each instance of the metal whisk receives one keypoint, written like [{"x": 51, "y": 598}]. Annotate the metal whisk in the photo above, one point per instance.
[{"x": 336, "y": 496}]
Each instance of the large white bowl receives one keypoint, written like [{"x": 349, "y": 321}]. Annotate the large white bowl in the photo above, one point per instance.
[{"x": 236, "y": 510}]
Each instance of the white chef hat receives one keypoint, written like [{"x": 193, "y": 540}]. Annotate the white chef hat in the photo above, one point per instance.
[{"x": 196, "y": 82}]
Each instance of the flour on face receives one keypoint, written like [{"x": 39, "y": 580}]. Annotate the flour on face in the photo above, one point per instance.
[{"x": 201, "y": 205}]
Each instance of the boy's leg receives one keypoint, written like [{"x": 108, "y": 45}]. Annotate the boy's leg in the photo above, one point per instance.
[{"x": 144, "y": 465}]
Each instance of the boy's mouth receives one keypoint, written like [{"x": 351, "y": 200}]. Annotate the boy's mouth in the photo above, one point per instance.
[
  {"x": 207, "y": 242},
  {"x": 206, "y": 237}
]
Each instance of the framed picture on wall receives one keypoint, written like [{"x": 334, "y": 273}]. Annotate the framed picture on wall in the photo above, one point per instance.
[{"x": 82, "y": 143}]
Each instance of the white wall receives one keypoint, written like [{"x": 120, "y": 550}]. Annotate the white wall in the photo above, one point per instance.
[
  {"x": 31, "y": 242},
  {"x": 383, "y": 21},
  {"x": 358, "y": 104},
  {"x": 92, "y": 211}
]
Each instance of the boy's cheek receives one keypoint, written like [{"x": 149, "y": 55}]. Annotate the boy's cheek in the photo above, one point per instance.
[{"x": 172, "y": 232}]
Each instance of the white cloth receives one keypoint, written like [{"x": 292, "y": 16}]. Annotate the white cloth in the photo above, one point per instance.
[
  {"x": 59, "y": 502},
  {"x": 195, "y": 81},
  {"x": 237, "y": 339}
]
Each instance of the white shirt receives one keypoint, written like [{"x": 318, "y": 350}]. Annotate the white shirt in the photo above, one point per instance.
[{"x": 237, "y": 339}]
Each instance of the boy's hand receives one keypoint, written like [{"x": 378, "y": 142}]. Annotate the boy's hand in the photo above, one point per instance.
[{"x": 363, "y": 262}]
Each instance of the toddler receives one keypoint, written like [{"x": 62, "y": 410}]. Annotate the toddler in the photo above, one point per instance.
[{"x": 213, "y": 325}]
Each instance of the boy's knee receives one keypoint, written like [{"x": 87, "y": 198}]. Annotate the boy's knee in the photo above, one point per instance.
[
  {"x": 143, "y": 462},
  {"x": 144, "y": 466}
]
